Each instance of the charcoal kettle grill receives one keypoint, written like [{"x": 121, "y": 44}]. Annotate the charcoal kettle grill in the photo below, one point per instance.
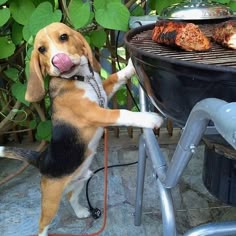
[{"x": 195, "y": 90}]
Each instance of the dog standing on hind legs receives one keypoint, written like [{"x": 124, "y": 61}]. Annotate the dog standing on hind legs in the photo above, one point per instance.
[{"x": 79, "y": 113}]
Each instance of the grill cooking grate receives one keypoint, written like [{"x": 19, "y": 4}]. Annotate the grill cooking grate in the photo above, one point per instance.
[{"x": 217, "y": 55}]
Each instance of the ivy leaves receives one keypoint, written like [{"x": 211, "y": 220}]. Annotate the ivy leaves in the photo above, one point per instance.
[
  {"x": 43, "y": 131},
  {"x": 7, "y": 47},
  {"x": 31, "y": 15},
  {"x": 18, "y": 91},
  {"x": 110, "y": 14},
  {"x": 21, "y": 20},
  {"x": 79, "y": 13},
  {"x": 28, "y": 20},
  {"x": 21, "y": 12},
  {"x": 42, "y": 16},
  {"x": 5, "y": 16},
  {"x": 113, "y": 16}
]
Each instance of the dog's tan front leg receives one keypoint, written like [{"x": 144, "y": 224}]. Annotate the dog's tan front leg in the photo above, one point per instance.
[
  {"x": 114, "y": 81},
  {"x": 139, "y": 119},
  {"x": 51, "y": 190},
  {"x": 101, "y": 117}
]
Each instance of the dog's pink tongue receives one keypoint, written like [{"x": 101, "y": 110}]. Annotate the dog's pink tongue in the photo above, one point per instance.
[{"x": 62, "y": 62}]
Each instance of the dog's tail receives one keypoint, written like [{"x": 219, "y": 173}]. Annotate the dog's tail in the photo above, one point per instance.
[{"x": 32, "y": 157}]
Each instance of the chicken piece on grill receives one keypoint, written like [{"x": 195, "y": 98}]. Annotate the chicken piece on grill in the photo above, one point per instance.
[
  {"x": 225, "y": 34},
  {"x": 187, "y": 36}
]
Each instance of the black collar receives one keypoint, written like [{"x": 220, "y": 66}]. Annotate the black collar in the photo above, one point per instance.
[
  {"x": 77, "y": 77},
  {"x": 81, "y": 77}
]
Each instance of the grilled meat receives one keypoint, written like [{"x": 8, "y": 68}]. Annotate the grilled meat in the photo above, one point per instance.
[
  {"x": 225, "y": 34},
  {"x": 187, "y": 36}
]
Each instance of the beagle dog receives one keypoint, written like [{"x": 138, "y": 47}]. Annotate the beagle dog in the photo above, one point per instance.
[{"x": 79, "y": 113}]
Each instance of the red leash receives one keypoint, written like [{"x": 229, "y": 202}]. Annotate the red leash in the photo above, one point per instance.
[{"x": 105, "y": 192}]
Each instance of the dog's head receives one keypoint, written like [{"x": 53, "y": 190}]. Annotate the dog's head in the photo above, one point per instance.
[{"x": 59, "y": 51}]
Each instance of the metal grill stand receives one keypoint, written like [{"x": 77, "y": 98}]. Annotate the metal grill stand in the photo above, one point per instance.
[{"x": 223, "y": 115}]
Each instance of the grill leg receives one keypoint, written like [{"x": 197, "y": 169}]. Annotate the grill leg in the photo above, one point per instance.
[
  {"x": 140, "y": 182},
  {"x": 167, "y": 210},
  {"x": 214, "y": 229}
]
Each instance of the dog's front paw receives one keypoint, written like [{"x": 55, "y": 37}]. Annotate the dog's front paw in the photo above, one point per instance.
[
  {"x": 44, "y": 232},
  {"x": 130, "y": 64},
  {"x": 82, "y": 212},
  {"x": 129, "y": 69},
  {"x": 139, "y": 119},
  {"x": 152, "y": 120}
]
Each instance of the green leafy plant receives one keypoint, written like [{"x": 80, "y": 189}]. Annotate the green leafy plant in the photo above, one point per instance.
[{"x": 19, "y": 23}]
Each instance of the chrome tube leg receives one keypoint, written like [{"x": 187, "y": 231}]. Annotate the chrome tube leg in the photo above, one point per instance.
[
  {"x": 153, "y": 151},
  {"x": 214, "y": 229},
  {"x": 167, "y": 210},
  {"x": 159, "y": 165},
  {"x": 140, "y": 182}
]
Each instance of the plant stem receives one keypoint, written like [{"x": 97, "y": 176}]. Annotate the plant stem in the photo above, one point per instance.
[
  {"x": 10, "y": 116},
  {"x": 39, "y": 111},
  {"x": 130, "y": 3}
]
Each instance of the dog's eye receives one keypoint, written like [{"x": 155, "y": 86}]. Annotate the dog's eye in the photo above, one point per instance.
[
  {"x": 42, "y": 49},
  {"x": 64, "y": 37}
]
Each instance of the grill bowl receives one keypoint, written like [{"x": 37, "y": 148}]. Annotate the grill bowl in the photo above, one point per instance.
[{"x": 175, "y": 80}]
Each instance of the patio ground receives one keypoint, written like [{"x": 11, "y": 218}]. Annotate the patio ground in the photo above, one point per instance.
[{"x": 20, "y": 198}]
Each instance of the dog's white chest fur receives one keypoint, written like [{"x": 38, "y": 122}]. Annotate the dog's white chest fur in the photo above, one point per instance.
[
  {"x": 94, "y": 90},
  {"x": 92, "y": 85}
]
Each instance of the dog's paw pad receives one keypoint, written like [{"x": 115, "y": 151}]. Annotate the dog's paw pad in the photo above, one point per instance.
[{"x": 82, "y": 212}]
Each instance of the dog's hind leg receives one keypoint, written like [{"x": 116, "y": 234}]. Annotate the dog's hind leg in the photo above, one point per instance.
[
  {"x": 51, "y": 190},
  {"x": 73, "y": 196}
]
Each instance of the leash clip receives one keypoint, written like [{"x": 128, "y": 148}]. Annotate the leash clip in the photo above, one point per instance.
[{"x": 101, "y": 101}]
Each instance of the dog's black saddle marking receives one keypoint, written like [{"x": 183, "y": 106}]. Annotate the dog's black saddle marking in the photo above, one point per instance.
[{"x": 64, "y": 154}]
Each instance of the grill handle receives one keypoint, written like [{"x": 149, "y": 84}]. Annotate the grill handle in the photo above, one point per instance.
[{"x": 136, "y": 21}]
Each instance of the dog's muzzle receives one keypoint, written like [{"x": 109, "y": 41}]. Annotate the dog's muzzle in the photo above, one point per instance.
[{"x": 62, "y": 62}]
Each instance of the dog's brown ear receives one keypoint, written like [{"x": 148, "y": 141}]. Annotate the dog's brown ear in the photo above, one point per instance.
[
  {"x": 35, "y": 88},
  {"x": 88, "y": 52},
  {"x": 96, "y": 65}
]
